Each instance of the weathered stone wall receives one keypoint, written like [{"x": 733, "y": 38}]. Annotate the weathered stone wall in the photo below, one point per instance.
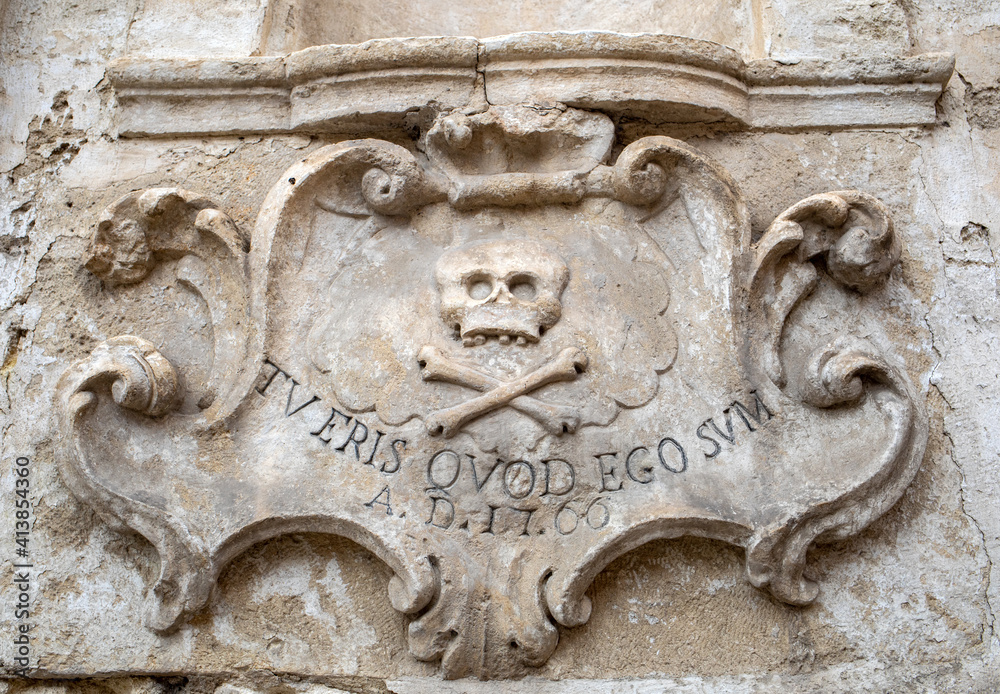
[{"x": 908, "y": 605}]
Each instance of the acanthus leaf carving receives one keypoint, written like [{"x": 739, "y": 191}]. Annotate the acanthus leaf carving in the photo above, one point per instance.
[{"x": 494, "y": 366}]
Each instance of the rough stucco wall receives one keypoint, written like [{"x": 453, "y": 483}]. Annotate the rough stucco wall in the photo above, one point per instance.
[
  {"x": 910, "y": 603},
  {"x": 296, "y": 25}
]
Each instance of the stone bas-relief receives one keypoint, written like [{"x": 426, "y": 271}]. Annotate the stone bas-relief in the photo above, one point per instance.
[{"x": 497, "y": 363}]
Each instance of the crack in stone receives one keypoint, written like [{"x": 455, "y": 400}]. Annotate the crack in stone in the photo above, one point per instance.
[
  {"x": 481, "y": 71},
  {"x": 946, "y": 262},
  {"x": 987, "y": 584},
  {"x": 933, "y": 382}
]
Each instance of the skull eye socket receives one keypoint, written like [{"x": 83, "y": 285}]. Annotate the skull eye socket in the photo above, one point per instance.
[
  {"x": 479, "y": 287},
  {"x": 523, "y": 287}
]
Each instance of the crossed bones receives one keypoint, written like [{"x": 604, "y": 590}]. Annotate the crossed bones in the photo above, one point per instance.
[{"x": 556, "y": 419}]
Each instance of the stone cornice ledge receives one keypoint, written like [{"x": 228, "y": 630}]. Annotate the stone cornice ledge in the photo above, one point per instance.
[{"x": 666, "y": 79}]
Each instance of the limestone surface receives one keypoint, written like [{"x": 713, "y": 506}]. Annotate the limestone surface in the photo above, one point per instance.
[{"x": 449, "y": 358}]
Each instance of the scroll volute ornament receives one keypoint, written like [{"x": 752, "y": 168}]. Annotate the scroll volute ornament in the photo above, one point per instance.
[
  {"x": 852, "y": 234},
  {"x": 494, "y": 368},
  {"x": 146, "y": 228},
  {"x": 849, "y": 230}
]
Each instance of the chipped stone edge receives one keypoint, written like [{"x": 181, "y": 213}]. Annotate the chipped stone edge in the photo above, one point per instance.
[{"x": 372, "y": 86}]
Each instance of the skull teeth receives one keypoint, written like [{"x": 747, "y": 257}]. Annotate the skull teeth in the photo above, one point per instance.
[{"x": 502, "y": 338}]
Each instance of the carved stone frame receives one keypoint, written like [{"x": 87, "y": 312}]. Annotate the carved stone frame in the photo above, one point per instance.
[{"x": 485, "y": 627}]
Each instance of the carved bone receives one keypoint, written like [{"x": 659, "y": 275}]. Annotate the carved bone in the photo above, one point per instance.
[
  {"x": 566, "y": 366},
  {"x": 435, "y": 365}
]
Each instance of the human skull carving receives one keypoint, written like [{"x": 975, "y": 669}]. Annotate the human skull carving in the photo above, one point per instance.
[{"x": 510, "y": 290}]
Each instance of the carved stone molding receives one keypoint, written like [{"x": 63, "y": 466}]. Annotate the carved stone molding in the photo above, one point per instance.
[
  {"x": 374, "y": 85},
  {"x": 499, "y": 364}
]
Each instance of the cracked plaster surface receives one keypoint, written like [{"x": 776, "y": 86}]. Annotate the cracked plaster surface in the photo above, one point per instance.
[{"x": 924, "y": 582}]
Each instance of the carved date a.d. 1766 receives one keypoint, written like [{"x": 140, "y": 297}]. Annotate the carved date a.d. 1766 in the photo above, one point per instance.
[{"x": 498, "y": 365}]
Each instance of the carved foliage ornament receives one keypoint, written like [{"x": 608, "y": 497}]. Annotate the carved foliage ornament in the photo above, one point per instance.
[{"x": 497, "y": 366}]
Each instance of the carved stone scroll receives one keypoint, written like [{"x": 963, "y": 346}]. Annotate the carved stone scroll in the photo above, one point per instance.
[
  {"x": 499, "y": 361},
  {"x": 159, "y": 225}
]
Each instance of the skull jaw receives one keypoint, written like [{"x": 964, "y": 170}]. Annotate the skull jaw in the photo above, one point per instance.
[{"x": 500, "y": 321}]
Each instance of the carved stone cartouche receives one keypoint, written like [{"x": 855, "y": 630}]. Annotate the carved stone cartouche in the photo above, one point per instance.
[{"x": 498, "y": 366}]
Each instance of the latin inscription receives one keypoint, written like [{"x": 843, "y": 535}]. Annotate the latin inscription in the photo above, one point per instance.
[
  {"x": 709, "y": 431},
  {"x": 524, "y": 496},
  {"x": 347, "y": 433}
]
